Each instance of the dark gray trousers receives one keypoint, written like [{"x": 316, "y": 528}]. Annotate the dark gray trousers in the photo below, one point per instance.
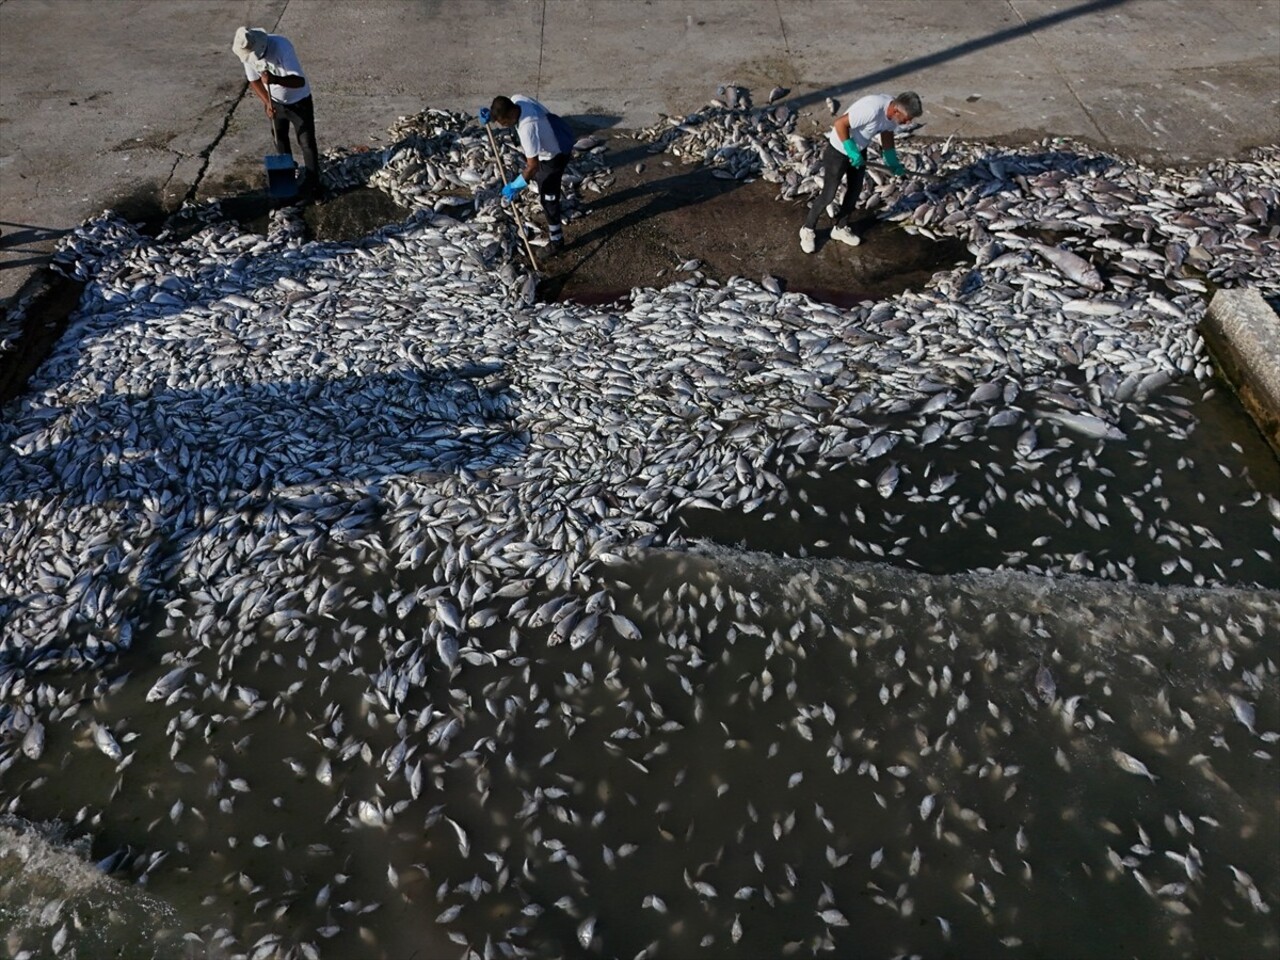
[
  {"x": 301, "y": 116},
  {"x": 834, "y": 165},
  {"x": 550, "y": 173}
]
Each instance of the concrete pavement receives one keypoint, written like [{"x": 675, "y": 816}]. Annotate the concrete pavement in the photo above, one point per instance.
[{"x": 140, "y": 104}]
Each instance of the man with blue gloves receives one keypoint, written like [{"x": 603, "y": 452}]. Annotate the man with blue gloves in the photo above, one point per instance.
[
  {"x": 847, "y": 142},
  {"x": 547, "y": 143}
]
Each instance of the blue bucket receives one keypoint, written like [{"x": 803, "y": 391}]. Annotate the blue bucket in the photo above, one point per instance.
[{"x": 282, "y": 175}]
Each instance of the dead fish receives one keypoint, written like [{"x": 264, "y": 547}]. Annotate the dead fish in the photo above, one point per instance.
[
  {"x": 1244, "y": 712},
  {"x": 370, "y": 814},
  {"x": 166, "y": 685},
  {"x": 1046, "y": 688},
  {"x": 104, "y": 741},
  {"x": 33, "y": 741},
  {"x": 1092, "y": 308},
  {"x": 464, "y": 843},
  {"x": 1131, "y": 765},
  {"x": 942, "y": 483},
  {"x": 888, "y": 480},
  {"x": 1084, "y": 423},
  {"x": 1074, "y": 267},
  {"x": 447, "y": 647}
]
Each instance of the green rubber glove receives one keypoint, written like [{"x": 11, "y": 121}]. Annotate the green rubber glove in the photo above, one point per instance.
[
  {"x": 893, "y": 163},
  {"x": 853, "y": 153}
]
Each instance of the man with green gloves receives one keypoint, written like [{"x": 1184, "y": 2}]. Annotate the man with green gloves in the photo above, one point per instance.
[{"x": 847, "y": 142}]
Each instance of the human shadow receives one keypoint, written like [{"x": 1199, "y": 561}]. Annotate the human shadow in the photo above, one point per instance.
[
  {"x": 17, "y": 236},
  {"x": 688, "y": 188},
  {"x": 206, "y": 445},
  {"x": 591, "y": 122},
  {"x": 953, "y": 52},
  {"x": 247, "y": 263}
]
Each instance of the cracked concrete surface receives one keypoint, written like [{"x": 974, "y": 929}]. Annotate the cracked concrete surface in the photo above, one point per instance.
[
  {"x": 193, "y": 188},
  {"x": 140, "y": 104}
]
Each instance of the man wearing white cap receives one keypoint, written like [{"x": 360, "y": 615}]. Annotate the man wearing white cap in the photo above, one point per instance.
[{"x": 274, "y": 74}]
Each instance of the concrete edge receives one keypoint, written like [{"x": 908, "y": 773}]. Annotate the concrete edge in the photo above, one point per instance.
[{"x": 1242, "y": 332}]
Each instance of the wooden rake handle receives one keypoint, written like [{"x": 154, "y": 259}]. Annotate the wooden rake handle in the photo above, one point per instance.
[{"x": 497, "y": 159}]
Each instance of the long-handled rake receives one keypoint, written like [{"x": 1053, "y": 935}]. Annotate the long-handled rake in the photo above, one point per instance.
[{"x": 515, "y": 209}]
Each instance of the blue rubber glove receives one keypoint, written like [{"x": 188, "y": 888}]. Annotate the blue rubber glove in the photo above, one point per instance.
[
  {"x": 483, "y": 114},
  {"x": 893, "y": 163},
  {"x": 514, "y": 187},
  {"x": 853, "y": 153}
]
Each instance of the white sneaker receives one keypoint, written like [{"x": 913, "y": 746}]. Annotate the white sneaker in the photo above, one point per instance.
[
  {"x": 845, "y": 235},
  {"x": 808, "y": 240}
]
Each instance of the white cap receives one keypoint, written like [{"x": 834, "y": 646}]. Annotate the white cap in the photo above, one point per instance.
[{"x": 250, "y": 45}]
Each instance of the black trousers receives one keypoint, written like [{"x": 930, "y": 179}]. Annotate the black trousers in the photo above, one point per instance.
[
  {"x": 834, "y": 164},
  {"x": 550, "y": 173},
  {"x": 302, "y": 117}
]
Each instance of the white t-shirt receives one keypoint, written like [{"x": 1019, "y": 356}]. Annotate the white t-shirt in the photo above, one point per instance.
[
  {"x": 282, "y": 61},
  {"x": 867, "y": 118},
  {"x": 537, "y": 139}
]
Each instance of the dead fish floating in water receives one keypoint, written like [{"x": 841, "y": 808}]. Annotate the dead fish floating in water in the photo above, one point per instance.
[
  {"x": 1046, "y": 686},
  {"x": 163, "y": 688},
  {"x": 1083, "y": 423},
  {"x": 106, "y": 742},
  {"x": 1130, "y": 764}
]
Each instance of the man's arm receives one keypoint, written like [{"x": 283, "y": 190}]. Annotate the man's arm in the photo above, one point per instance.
[
  {"x": 530, "y": 168},
  {"x": 260, "y": 88},
  {"x": 886, "y": 140},
  {"x": 292, "y": 80}
]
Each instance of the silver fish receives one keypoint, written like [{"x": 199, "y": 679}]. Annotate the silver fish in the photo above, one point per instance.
[{"x": 1132, "y": 765}]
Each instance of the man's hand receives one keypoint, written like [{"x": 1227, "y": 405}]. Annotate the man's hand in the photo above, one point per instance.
[
  {"x": 484, "y": 114},
  {"x": 271, "y": 108},
  {"x": 853, "y": 153},
  {"x": 893, "y": 163},
  {"x": 514, "y": 187}
]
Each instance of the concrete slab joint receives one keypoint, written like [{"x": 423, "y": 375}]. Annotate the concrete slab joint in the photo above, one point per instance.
[{"x": 1243, "y": 333}]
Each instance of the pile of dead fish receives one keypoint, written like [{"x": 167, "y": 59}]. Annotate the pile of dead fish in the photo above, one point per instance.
[
  {"x": 444, "y": 161},
  {"x": 739, "y": 142},
  {"x": 361, "y": 528},
  {"x": 1218, "y": 223}
]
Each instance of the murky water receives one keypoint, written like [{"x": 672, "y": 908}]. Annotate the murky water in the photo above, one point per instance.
[{"x": 794, "y": 756}]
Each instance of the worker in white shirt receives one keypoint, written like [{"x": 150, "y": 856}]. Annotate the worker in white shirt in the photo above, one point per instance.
[
  {"x": 845, "y": 156},
  {"x": 547, "y": 144},
  {"x": 274, "y": 74}
]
